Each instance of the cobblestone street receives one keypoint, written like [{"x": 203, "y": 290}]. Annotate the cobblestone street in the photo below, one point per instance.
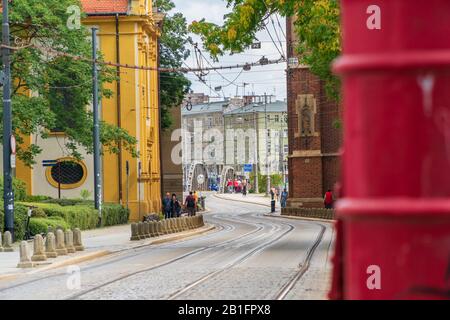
[{"x": 247, "y": 256}]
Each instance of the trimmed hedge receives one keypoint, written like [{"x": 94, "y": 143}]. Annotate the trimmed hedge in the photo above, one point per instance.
[
  {"x": 84, "y": 216},
  {"x": 40, "y": 225},
  {"x": 114, "y": 214},
  {"x": 81, "y": 216}
]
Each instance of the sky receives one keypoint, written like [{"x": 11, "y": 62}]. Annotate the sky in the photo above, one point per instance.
[{"x": 267, "y": 79}]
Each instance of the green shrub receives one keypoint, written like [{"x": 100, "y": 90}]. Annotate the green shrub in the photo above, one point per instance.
[
  {"x": 40, "y": 225},
  {"x": 19, "y": 188},
  {"x": 36, "y": 198},
  {"x": 64, "y": 202},
  {"x": 114, "y": 214},
  {"x": 20, "y": 220},
  {"x": 84, "y": 216},
  {"x": 38, "y": 213}
]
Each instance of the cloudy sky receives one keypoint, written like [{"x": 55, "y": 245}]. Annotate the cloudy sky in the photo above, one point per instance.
[{"x": 268, "y": 79}]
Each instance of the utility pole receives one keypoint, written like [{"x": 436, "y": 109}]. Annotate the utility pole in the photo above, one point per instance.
[
  {"x": 256, "y": 120},
  {"x": 267, "y": 146},
  {"x": 8, "y": 194},
  {"x": 97, "y": 165}
]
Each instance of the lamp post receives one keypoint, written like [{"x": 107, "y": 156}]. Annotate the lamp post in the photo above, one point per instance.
[
  {"x": 97, "y": 169},
  {"x": 8, "y": 194}
]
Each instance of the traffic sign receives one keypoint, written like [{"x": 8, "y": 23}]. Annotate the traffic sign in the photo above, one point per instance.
[
  {"x": 13, "y": 161},
  {"x": 248, "y": 167},
  {"x": 13, "y": 144}
]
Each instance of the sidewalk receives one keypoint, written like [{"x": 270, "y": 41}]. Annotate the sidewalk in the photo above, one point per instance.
[
  {"x": 97, "y": 243},
  {"x": 259, "y": 199}
]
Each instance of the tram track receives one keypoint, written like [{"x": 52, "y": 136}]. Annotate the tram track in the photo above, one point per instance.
[
  {"x": 304, "y": 267},
  {"x": 115, "y": 257},
  {"x": 240, "y": 260},
  {"x": 171, "y": 261}
]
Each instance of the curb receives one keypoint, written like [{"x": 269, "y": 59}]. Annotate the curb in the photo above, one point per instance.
[
  {"x": 180, "y": 236},
  {"x": 72, "y": 261},
  {"x": 99, "y": 254},
  {"x": 299, "y": 218},
  {"x": 277, "y": 216},
  {"x": 248, "y": 202}
]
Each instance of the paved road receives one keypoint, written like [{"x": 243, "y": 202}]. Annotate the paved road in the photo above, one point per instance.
[{"x": 249, "y": 256}]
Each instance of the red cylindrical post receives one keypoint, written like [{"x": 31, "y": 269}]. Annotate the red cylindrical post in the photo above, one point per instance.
[{"x": 395, "y": 215}]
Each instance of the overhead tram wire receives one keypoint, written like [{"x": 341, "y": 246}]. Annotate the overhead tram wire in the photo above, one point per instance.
[{"x": 188, "y": 69}]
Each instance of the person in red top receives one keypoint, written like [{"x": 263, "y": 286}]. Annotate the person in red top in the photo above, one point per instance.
[{"x": 328, "y": 200}]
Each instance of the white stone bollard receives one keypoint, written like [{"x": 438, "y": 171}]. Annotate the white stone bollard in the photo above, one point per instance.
[
  {"x": 38, "y": 249},
  {"x": 7, "y": 242},
  {"x": 50, "y": 250},
  {"x": 77, "y": 240},
  {"x": 60, "y": 245},
  {"x": 25, "y": 261}
]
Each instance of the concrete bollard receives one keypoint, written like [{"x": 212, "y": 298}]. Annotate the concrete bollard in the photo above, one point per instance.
[
  {"x": 38, "y": 250},
  {"x": 169, "y": 224},
  {"x": 7, "y": 242},
  {"x": 68, "y": 238},
  {"x": 173, "y": 225},
  {"x": 179, "y": 227},
  {"x": 141, "y": 231},
  {"x": 25, "y": 261},
  {"x": 77, "y": 241},
  {"x": 158, "y": 226},
  {"x": 60, "y": 245},
  {"x": 183, "y": 223},
  {"x": 202, "y": 221},
  {"x": 146, "y": 229},
  {"x": 152, "y": 230},
  {"x": 1, "y": 242},
  {"x": 134, "y": 232},
  {"x": 50, "y": 250},
  {"x": 165, "y": 228}
]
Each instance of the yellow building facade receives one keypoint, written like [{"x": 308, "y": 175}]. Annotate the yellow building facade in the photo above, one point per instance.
[{"x": 128, "y": 32}]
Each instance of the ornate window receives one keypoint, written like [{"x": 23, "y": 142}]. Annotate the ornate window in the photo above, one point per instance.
[{"x": 69, "y": 172}]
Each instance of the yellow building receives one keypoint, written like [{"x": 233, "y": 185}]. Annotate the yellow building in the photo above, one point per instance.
[{"x": 128, "y": 32}]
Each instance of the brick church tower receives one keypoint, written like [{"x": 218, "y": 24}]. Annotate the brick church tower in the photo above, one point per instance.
[{"x": 314, "y": 136}]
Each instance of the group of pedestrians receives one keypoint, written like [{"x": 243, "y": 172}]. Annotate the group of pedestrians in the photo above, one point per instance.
[{"x": 173, "y": 207}]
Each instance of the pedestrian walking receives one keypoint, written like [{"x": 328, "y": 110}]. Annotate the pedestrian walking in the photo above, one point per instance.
[
  {"x": 190, "y": 204},
  {"x": 244, "y": 190},
  {"x": 196, "y": 200},
  {"x": 273, "y": 201},
  {"x": 167, "y": 206},
  {"x": 175, "y": 207},
  {"x": 283, "y": 198},
  {"x": 328, "y": 200}
]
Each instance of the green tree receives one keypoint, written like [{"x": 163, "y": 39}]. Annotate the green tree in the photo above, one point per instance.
[
  {"x": 173, "y": 51},
  {"x": 316, "y": 26},
  {"x": 52, "y": 91}
]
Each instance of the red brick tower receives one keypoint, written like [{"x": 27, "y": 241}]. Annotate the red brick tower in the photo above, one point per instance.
[{"x": 314, "y": 137}]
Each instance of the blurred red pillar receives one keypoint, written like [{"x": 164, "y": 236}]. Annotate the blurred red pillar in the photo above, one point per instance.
[{"x": 394, "y": 219}]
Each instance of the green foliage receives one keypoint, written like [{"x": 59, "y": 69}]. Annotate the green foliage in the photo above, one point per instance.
[
  {"x": 40, "y": 225},
  {"x": 36, "y": 198},
  {"x": 276, "y": 180},
  {"x": 85, "y": 194},
  {"x": 62, "y": 85},
  {"x": 81, "y": 214},
  {"x": 20, "y": 220},
  {"x": 38, "y": 213},
  {"x": 316, "y": 26},
  {"x": 19, "y": 188},
  {"x": 172, "y": 53},
  {"x": 114, "y": 214}
]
